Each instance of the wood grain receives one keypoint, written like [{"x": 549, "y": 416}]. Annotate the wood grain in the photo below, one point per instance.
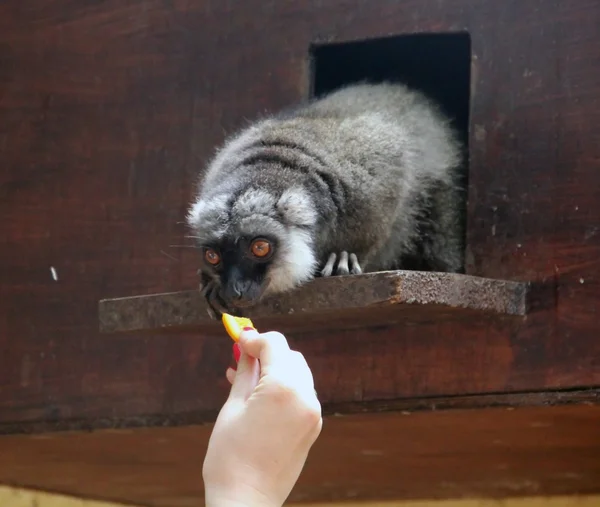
[
  {"x": 108, "y": 111},
  {"x": 18, "y": 497},
  {"x": 26, "y": 498},
  {"x": 486, "y": 453},
  {"x": 334, "y": 303},
  {"x": 530, "y": 501}
]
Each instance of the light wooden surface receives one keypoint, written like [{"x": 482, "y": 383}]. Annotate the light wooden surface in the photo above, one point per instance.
[
  {"x": 542, "y": 501},
  {"x": 16, "y": 497}
]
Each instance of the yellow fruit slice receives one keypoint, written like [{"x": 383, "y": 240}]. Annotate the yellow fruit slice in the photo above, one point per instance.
[{"x": 235, "y": 325}]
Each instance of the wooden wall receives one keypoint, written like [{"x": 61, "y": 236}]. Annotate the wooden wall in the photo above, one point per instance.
[{"x": 109, "y": 109}]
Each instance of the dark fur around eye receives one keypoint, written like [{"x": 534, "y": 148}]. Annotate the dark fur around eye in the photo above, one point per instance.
[
  {"x": 212, "y": 257},
  {"x": 261, "y": 249},
  {"x": 251, "y": 254}
]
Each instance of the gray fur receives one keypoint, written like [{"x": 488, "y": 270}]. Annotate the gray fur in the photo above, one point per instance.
[{"x": 368, "y": 174}]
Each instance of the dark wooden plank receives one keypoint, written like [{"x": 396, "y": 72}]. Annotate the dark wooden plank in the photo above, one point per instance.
[
  {"x": 108, "y": 110},
  {"x": 411, "y": 405},
  {"x": 341, "y": 302},
  {"x": 494, "y": 452}
]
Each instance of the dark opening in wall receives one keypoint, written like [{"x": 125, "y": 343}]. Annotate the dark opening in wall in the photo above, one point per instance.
[{"x": 437, "y": 64}]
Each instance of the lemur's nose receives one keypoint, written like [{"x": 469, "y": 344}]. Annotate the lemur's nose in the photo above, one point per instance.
[{"x": 237, "y": 291}]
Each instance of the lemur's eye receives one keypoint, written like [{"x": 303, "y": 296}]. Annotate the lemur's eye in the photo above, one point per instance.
[
  {"x": 212, "y": 257},
  {"x": 260, "y": 248}
]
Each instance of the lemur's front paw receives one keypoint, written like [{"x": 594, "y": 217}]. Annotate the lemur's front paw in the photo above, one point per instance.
[
  {"x": 347, "y": 264},
  {"x": 210, "y": 290}
]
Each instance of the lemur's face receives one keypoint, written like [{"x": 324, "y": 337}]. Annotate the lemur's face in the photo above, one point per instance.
[
  {"x": 242, "y": 265},
  {"x": 254, "y": 243}
]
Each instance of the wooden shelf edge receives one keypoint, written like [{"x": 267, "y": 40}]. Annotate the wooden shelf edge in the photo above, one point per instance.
[
  {"x": 354, "y": 300},
  {"x": 581, "y": 396}
]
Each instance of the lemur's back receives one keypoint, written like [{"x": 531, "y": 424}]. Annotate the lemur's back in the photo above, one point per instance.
[
  {"x": 380, "y": 123},
  {"x": 370, "y": 171},
  {"x": 396, "y": 155}
]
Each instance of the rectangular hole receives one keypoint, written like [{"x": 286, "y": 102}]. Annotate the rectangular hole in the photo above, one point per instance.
[{"x": 437, "y": 64}]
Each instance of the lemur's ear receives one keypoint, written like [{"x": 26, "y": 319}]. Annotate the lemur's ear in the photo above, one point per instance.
[{"x": 297, "y": 208}]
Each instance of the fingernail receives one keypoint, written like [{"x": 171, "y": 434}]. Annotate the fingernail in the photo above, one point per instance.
[{"x": 236, "y": 352}]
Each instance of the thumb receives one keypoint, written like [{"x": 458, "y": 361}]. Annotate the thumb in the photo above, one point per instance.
[{"x": 246, "y": 377}]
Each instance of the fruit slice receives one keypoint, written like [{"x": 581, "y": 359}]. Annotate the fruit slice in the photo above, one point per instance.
[{"x": 235, "y": 325}]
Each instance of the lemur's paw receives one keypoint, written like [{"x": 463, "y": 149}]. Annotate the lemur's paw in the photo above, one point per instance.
[
  {"x": 346, "y": 265},
  {"x": 210, "y": 291}
]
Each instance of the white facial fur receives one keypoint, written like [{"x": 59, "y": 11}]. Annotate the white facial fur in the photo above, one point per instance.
[
  {"x": 296, "y": 264},
  {"x": 297, "y": 261},
  {"x": 291, "y": 217}
]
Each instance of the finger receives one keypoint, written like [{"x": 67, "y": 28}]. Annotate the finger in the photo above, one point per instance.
[
  {"x": 246, "y": 378},
  {"x": 230, "y": 374},
  {"x": 270, "y": 348},
  {"x": 301, "y": 372},
  {"x": 292, "y": 373}
]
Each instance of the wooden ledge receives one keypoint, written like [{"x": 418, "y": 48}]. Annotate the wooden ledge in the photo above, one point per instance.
[
  {"x": 482, "y": 453},
  {"x": 338, "y": 302}
]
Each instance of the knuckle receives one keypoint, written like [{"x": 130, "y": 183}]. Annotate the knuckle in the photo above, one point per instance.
[
  {"x": 298, "y": 356},
  {"x": 299, "y": 362},
  {"x": 312, "y": 414},
  {"x": 275, "y": 337},
  {"x": 303, "y": 402}
]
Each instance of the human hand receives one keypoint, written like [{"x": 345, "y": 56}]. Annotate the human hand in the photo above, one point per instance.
[{"x": 266, "y": 428}]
